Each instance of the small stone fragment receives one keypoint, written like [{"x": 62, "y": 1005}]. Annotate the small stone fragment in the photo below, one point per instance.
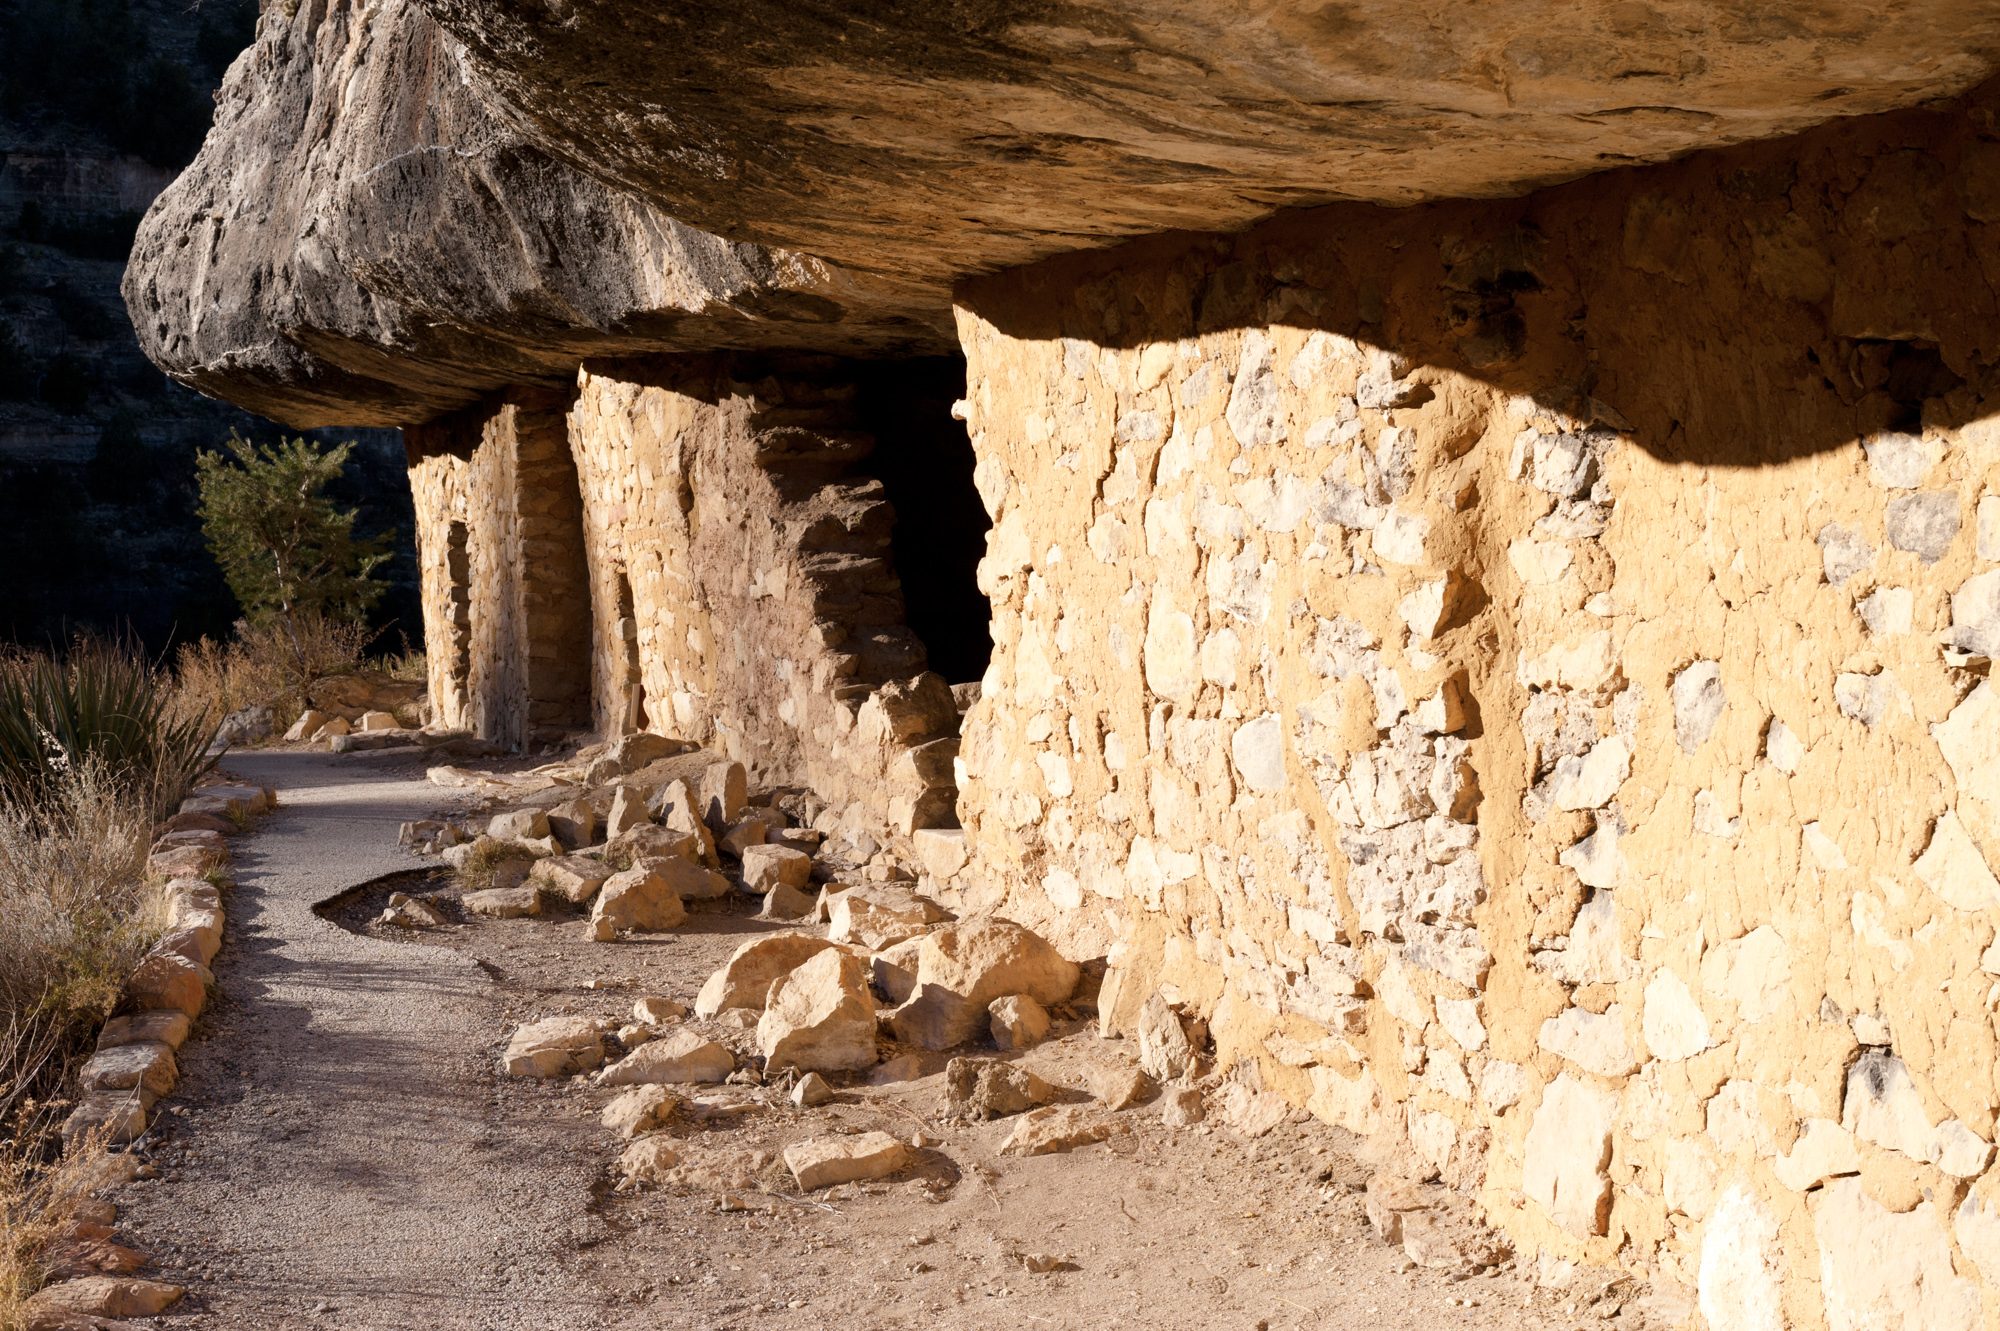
[
  {"x": 639, "y": 1110},
  {"x": 503, "y": 903},
  {"x": 987, "y": 1088},
  {"x": 811, "y": 1091},
  {"x": 1057, "y": 1130},
  {"x": 683, "y": 1056},
  {"x": 654, "y": 1010},
  {"x": 1017, "y": 1022},
  {"x": 554, "y": 1047}
]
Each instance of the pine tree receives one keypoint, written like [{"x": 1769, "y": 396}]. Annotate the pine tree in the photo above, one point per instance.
[{"x": 287, "y": 551}]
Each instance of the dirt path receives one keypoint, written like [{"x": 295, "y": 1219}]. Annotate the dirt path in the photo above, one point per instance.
[
  {"x": 341, "y": 1153},
  {"x": 336, "y": 1154}
]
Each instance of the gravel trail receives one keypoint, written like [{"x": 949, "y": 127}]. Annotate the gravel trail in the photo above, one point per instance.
[{"x": 337, "y": 1153}]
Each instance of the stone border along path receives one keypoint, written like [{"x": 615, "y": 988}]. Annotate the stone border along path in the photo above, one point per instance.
[
  {"x": 134, "y": 1066},
  {"x": 343, "y": 1158}
]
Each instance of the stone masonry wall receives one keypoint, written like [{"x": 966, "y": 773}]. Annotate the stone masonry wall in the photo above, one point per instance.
[
  {"x": 519, "y": 672},
  {"x": 1519, "y": 672},
  {"x": 740, "y": 578}
]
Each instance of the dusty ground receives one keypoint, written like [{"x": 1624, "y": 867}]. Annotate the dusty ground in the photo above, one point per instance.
[{"x": 342, "y": 1152}]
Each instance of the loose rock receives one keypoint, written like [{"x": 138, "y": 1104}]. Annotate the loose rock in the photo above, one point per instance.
[
  {"x": 554, "y": 1047},
  {"x": 820, "y": 1017},
  {"x": 821, "y": 1162},
  {"x": 680, "y": 1057}
]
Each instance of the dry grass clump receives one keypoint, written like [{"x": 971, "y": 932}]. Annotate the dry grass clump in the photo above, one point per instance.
[
  {"x": 77, "y": 913},
  {"x": 264, "y": 664},
  {"x": 483, "y": 863}
]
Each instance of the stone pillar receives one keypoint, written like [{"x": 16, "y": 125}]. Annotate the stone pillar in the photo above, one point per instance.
[{"x": 502, "y": 475}]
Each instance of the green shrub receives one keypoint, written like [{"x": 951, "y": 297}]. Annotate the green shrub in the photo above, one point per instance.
[{"x": 102, "y": 708}]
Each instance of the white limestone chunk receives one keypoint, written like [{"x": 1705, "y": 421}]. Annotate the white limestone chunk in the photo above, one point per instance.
[
  {"x": 1887, "y": 611},
  {"x": 1740, "y": 1281},
  {"x": 1975, "y": 614},
  {"x": 1590, "y": 780},
  {"x": 1823, "y": 1150},
  {"x": 1783, "y": 749},
  {"x": 1399, "y": 538},
  {"x": 1952, "y": 867},
  {"x": 1595, "y": 1042},
  {"x": 1900, "y": 461},
  {"x": 1674, "y": 1026},
  {"x": 1698, "y": 702}
]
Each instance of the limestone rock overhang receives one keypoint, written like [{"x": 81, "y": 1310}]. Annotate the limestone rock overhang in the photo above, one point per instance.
[
  {"x": 362, "y": 241},
  {"x": 933, "y": 140},
  {"x": 406, "y": 205}
]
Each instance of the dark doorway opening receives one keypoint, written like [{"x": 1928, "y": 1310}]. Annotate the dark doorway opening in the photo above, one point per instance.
[
  {"x": 458, "y": 570},
  {"x": 925, "y": 462}
]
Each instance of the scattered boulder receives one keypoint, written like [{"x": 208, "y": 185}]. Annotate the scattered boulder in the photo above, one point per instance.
[
  {"x": 574, "y": 878},
  {"x": 1120, "y": 1087},
  {"x": 819, "y": 1018},
  {"x": 573, "y": 823},
  {"x": 745, "y": 980},
  {"x": 962, "y": 968},
  {"x": 895, "y": 969},
  {"x": 639, "y": 1110},
  {"x": 690, "y": 881},
  {"x": 656, "y": 1011},
  {"x": 503, "y": 903},
  {"x": 812, "y": 1091},
  {"x": 637, "y": 899},
  {"x": 1057, "y": 1130},
  {"x": 683, "y": 1056},
  {"x": 648, "y": 1160},
  {"x": 307, "y": 726},
  {"x": 554, "y": 1047},
  {"x": 407, "y": 912},
  {"x": 768, "y": 867},
  {"x": 628, "y": 810},
  {"x": 1017, "y": 1022},
  {"x": 102, "y": 1296},
  {"x": 879, "y": 916},
  {"x": 745, "y": 833},
  {"x": 332, "y": 730},
  {"x": 518, "y": 825},
  {"x": 1165, "y": 1051},
  {"x": 374, "y": 721},
  {"x": 248, "y": 725},
  {"x": 821, "y": 1162},
  {"x": 724, "y": 790},
  {"x": 1182, "y": 1107},
  {"x": 986, "y": 1088},
  {"x": 785, "y": 903}
]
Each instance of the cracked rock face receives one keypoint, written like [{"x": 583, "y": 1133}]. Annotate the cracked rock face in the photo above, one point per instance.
[
  {"x": 940, "y": 140},
  {"x": 362, "y": 241}
]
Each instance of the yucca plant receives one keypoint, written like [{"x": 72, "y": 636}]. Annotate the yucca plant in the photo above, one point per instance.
[{"x": 103, "y": 706}]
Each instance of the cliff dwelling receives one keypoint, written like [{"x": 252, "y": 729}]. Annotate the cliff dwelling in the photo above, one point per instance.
[{"x": 1458, "y": 553}]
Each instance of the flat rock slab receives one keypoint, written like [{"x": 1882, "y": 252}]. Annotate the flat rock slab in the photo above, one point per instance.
[
  {"x": 821, "y": 1162},
  {"x": 504, "y": 903},
  {"x": 680, "y": 1057}
]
